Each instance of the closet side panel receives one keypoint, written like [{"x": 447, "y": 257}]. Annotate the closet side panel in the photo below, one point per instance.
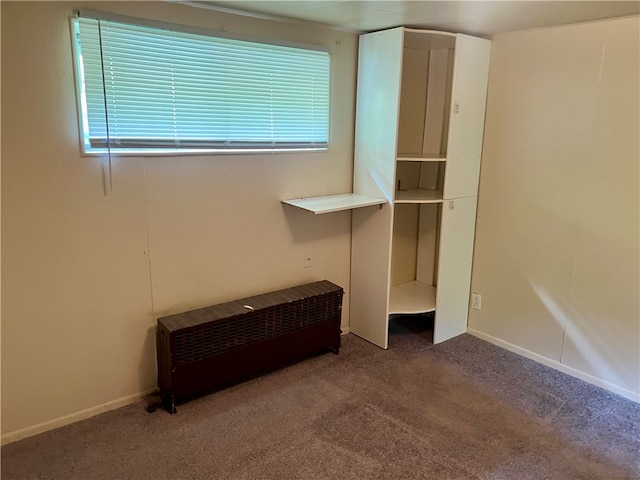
[
  {"x": 457, "y": 229},
  {"x": 404, "y": 249},
  {"x": 436, "y": 102},
  {"x": 427, "y": 244},
  {"x": 413, "y": 99},
  {"x": 377, "y": 108},
  {"x": 370, "y": 268},
  {"x": 466, "y": 124}
]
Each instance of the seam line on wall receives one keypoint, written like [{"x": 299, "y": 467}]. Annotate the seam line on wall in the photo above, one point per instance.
[
  {"x": 146, "y": 213},
  {"x": 575, "y": 258}
]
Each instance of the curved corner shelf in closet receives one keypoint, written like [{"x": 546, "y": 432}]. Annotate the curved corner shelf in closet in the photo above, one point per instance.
[{"x": 412, "y": 298}]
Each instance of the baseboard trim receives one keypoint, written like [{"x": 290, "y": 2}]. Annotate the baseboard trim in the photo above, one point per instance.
[
  {"x": 83, "y": 414},
  {"x": 73, "y": 417},
  {"x": 624, "y": 392}
]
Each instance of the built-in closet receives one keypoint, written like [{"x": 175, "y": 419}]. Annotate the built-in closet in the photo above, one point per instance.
[{"x": 419, "y": 124}]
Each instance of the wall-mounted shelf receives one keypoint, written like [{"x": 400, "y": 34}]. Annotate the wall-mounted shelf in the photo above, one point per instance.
[{"x": 334, "y": 203}]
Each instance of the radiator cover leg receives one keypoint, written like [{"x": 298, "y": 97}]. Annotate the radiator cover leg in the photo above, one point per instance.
[{"x": 169, "y": 403}]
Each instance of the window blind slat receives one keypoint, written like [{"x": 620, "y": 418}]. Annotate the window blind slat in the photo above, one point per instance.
[{"x": 183, "y": 90}]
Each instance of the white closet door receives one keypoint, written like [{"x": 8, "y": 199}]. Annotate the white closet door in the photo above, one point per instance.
[
  {"x": 378, "y": 104},
  {"x": 466, "y": 124},
  {"x": 457, "y": 229},
  {"x": 377, "y": 107},
  {"x": 370, "y": 273}
]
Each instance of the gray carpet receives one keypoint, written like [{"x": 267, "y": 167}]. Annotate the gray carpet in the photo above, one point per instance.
[{"x": 463, "y": 409}]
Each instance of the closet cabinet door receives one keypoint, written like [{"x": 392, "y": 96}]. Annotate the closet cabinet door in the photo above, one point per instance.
[
  {"x": 457, "y": 227},
  {"x": 377, "y": 107},
  {"x": 466, "y": 120},
  {"x": 370, "y": 273},
  {"x": 378, "y": 104}
]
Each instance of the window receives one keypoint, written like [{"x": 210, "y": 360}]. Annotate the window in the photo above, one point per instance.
[{"x": 144, "y": 89}]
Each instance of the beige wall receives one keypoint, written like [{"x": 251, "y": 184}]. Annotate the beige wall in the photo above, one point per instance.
[
  {"x": 557, "y": 245},
  {"x": 84, "y": 275}
]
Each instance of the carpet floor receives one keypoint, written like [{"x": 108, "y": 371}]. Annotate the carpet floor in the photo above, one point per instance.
[{"x": 463, "y": 409}]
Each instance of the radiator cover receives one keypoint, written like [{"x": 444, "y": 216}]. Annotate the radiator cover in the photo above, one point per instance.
[{"x": 204, "y": 349}]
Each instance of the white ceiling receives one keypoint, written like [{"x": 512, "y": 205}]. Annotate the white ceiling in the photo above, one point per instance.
[{"x": 479, "y": 17}]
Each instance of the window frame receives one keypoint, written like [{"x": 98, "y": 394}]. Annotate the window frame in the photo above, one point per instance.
[{"x": 82, "y": 106}]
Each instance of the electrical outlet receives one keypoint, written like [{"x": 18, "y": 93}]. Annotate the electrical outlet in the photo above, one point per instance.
[
  {"x": 476, "y": 301},
  {"x": 308, "y": 260}
]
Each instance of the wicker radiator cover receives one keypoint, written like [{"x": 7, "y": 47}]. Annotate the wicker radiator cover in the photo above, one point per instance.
[{"x": 205, "y": 349}]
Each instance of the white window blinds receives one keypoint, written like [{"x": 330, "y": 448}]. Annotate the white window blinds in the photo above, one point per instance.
[{"x": 148, "y": 89}]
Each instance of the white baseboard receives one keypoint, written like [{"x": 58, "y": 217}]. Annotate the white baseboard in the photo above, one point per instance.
[
  {"x": 73, "y": 417},
  {"x": 121, "y": 402},
  {"x": 82, "y": 414},
  {"x": 624, "y": 392}
]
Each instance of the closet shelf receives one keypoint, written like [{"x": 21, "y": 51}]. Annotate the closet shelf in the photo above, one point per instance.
[
  {"x": 412, "y": 297},
  {"x": 334, "y": 203},
  {"x": 420, "y": 157},
  {"x": 418, "y": 195}
]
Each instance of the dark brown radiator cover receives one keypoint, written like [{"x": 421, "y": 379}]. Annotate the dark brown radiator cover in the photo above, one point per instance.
[{"x": 207, "y": 348}]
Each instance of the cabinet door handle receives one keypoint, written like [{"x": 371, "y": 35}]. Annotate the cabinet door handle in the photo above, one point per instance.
[
  {"x": 452, "y": 204},
  {"x": 456, "y": 108}
]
